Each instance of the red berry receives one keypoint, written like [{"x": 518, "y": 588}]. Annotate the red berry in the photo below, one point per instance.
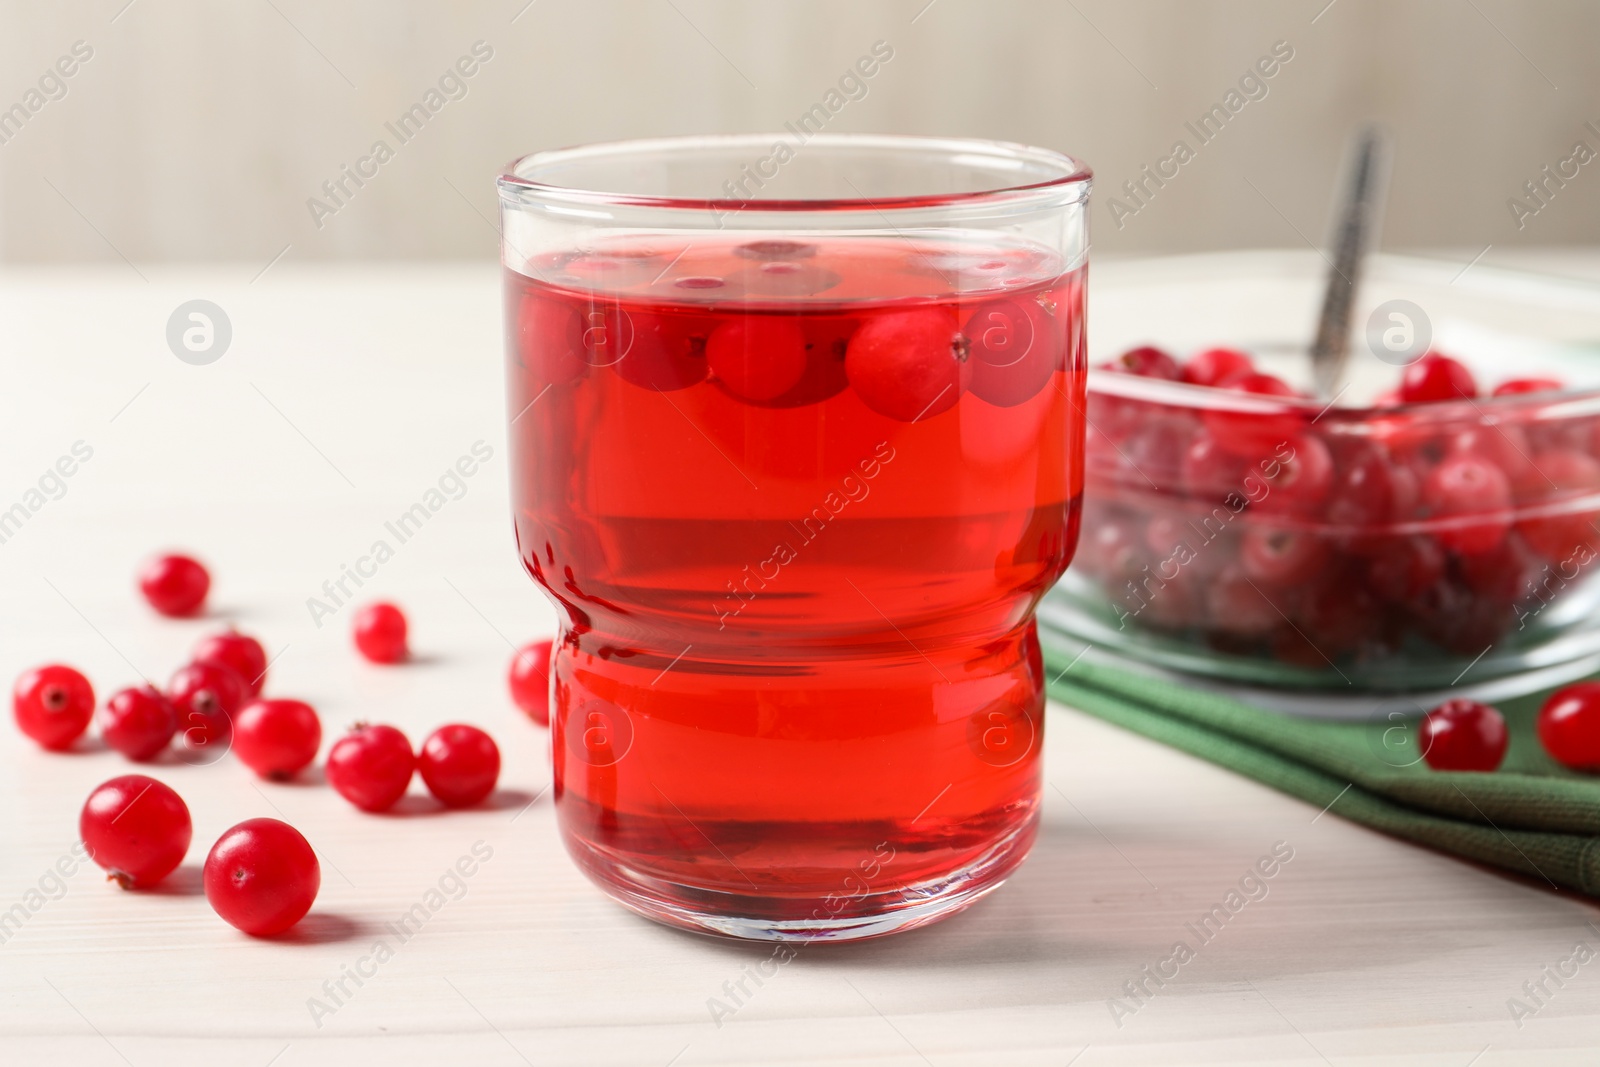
[
  {"x": 1217, "y": 366},
  {"x": 277, "y": 738},
  {"x": 1153, "y": 455},
  {"x": 601, "y": 334},
  {"x": 550, "y": 336},
  {"x": 262, "y": 877},
  {"x": 380, "y": 633},
  {"x": 207, "y": 695},
  {"x": 1255, "y": 435},
  {"x": 1238, "y": 607},
  {"x": 1336, "y": 616},
  {"x": 136, "y": 828},
  {"x": 1298, "y": 474},
  {"x": 1548, "y": 434},
  {"x": 1470, "y": 502},
  {"x": 666, "y": 352},
  {"x": 371, "y": 767},
  {"x": 827, "y": 340},
  {"x": 239, "y": 651},
  {"x": 530, "y": 680},
  {"x": 1569, "y": 726},
  {"x": 1211, "y": 472},
  {"x": 1519, "y": 386},
  {"x": 1147, "y": 361},
  {"x": 1563, "y": 477},
  {"x": 1015, "y": 350},
  {"x": 1113, "y": 417},
  {"x": 1463, "y": 735},
  {"x": 1507, "y": 447},
  {"x": 1436, "y": 377},
  {"x": 1164, "y": 531},
  {"x": 783, "y": 277},
  {"x": 1260, "y": 385},
  {"x": 139, "y": 723},
  {"x": 1459, "y": 620},
  {"x": 1111, "y": 550},
  {"x": 1370, "y": 489},
  {"x": 909, "y": 365},
  {"x": 776, "y": 249},
  {"x": 1178, "y": 603},
  {"x": 757, "y": 357},
  {"x": 53, "y": 705},
  {"x": 1400, "y": 569},
  {"x": 1280, "y": 557},
  {"x": 175, "y": 585},
  {"x": 1501, "y": 575},
  {"x": 459, "y": 764}
]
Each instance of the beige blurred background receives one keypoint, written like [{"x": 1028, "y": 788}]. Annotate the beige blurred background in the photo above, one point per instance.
[{"x": 200, "y": 130}]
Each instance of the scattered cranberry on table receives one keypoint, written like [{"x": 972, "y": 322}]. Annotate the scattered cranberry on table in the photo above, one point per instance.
[
  {"x": 138, "y": 722},
  {"x": 239, "y": 651},
  {"x": 530, "y": 680},
  {"x": 175, "y": 585},
  {"x": 262, "y": 876},
  {"x": 380, "y": 633},
  {"x": 206, "y": 695},
  {"x": 1569, "y": 726},
  {"x": 459, "y": 764},
  {"x": 1463, "y": 735},
  {"x": 53, "y": 705},
  {"x": 277, "y": 738},
  {"x": 136, "y": 828},
  {"x": 371, "y": 767}
]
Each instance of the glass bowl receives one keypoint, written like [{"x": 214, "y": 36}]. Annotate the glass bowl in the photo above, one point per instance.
[{"x": 1352, "y": 547}]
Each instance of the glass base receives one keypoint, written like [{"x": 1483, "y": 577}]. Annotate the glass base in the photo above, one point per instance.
[{"x": 723, "y": 914}]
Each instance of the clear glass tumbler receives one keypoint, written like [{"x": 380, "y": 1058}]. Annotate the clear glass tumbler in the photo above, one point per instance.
[{"x": 797, "y": 446}]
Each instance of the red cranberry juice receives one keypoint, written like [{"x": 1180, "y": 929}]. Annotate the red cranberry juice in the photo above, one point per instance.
[{"x": 796, "y": 504}]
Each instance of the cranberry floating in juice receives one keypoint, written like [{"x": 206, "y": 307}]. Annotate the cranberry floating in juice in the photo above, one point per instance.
[{"x": 796, "y": 476}]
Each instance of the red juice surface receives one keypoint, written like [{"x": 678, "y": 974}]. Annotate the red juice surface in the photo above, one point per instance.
[{"x": 796, "y": 503}]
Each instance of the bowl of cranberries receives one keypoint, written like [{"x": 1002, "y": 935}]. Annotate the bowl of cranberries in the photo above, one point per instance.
[{"x": 1235, "y": 526}]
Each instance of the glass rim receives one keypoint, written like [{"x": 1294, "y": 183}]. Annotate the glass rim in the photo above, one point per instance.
[{"x": 1074, "y": 176}]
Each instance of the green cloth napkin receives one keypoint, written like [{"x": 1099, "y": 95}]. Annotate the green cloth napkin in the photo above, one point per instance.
[{"x": 1531, "y": 816}]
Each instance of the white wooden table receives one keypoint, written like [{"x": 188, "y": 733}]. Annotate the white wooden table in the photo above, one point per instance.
[{"x": 346, "y": 393}]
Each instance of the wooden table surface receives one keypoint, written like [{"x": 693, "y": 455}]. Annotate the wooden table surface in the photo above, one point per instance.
[{"x": 345, "y": 395}]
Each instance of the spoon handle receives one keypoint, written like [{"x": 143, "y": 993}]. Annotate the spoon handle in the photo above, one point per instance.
[{"x": 1358, "y": 222}]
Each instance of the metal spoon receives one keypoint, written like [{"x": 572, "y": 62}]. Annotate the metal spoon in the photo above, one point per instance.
[{"x": 1366, "y": 188}]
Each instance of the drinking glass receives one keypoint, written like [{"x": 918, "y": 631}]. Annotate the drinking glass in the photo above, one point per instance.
[{"x": 797, "y": 446}]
